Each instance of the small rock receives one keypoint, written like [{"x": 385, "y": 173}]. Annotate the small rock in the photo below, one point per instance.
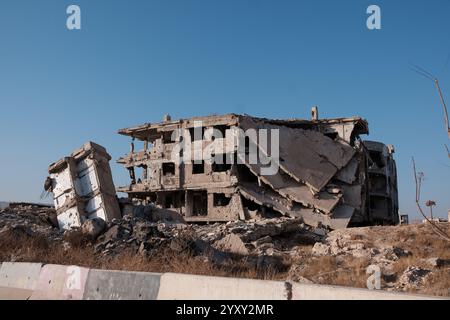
[
  {"x": 232, "y": 243},
  {"x": 266, "y": 239},
  {"x": 93, "y": 227},
  {"x": 357, "y": 246},
  {"x": 303, "y": 280},
  {"x": 113, "y": 233},
  {"x": 438, "y": 262},
  {"x": 182, "y": 244},
  {"x": 320, "y": 232},
  {"x": 144, "y": 230},
  {"x": 321, "y": 249},
  {"x": 361, "y": 253},
  {"x": 413, "y": 276},
  {"x": 266, "y": 246},
  {"x": 399, "y": 252}
]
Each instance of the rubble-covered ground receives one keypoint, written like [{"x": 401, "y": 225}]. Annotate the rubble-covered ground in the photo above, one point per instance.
[{"x": 411, "y": 258}]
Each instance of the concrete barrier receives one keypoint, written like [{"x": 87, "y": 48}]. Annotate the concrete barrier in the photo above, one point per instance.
[
  {"x": 14, "y": 293},
  {"x": 34, "y": 281},
  {"x": 325, "y": 292},
  {"x": 20, "y": 275},
  {"x": 193, "y": 287},
  {"x": 58, "y": 282},
  {"x": 121, "y": 285}
]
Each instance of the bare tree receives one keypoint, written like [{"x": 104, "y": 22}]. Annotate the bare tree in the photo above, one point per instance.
[
  {"x": 430, "y": 76},
  {"x": 418, "y": 178}
]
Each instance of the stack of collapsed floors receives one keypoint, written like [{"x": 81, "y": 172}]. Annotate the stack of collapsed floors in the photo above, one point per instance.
[{"x": 324, "y": 172}]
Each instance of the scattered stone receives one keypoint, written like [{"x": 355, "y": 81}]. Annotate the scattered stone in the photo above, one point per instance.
[
  {"x": 232, "y": 244},
  {"x": 93, "y": 227},
  {"x": 143, "y": 230},
  {"x": 399, "y": 252},
  {"x": 361, "y": 253},
  {"x": 182, "y": 244},
  {"x": 321, "y": 249},
  {"x": 413, "y": 276},
  {"x": 303, "y": 280},
  {"x": 113, "y": 233},
  {"x": 266, "y": 239},
  {"x": 438, "y": 262},
  {"x": 320, "y": 232}
]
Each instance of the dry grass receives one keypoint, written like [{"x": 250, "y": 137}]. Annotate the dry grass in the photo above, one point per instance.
[
  {"x": 328, "y": 270},
  {"x": 438, "y": 283},
  {"x": 421, "y": 241},
  {"x": 22, "y": 248}
]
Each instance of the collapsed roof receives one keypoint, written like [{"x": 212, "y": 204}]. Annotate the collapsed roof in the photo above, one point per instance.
[{"x": 321, "y": 174}]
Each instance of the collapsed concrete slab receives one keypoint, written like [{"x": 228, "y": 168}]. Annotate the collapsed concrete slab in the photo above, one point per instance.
[{"x": 82, "y": 187}]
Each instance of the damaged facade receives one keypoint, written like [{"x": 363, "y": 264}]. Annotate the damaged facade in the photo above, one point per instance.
[
  {"x": 326, "y": 174},
  {"x": 82, "y": 187}
]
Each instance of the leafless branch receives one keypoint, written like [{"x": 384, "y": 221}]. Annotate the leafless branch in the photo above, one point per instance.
[
  {"x": 435, "y": 80},
  {"x": 418, "y": 181},
  {"x": 444, "y": 106}
]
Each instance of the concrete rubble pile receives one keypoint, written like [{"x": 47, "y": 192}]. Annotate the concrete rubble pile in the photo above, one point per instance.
[
  {"x": 263, "y": 243},
  {"x": 29, "y": 220},
  {"x": 148, "y": 231}
]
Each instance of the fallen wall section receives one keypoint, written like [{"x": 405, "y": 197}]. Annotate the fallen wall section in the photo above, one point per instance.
[{"x": 83, "y": 187}]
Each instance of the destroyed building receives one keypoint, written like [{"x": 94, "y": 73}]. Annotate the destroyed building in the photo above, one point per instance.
[
  {"x": 326, "y": 174},
  {"x": 382, "y": 174},
  {"x": 82, "y": 187}
]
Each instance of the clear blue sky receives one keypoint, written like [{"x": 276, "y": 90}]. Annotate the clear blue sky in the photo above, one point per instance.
[{"x": 134, "y": 61}]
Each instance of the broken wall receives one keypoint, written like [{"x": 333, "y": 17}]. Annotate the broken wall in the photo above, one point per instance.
[{"x": 83, "y": 188}]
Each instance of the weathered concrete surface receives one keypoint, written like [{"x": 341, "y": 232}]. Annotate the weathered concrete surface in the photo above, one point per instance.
[
  {"x": 83, "y": 187},
  {"x": 291, "y": 189},
  {"x": 348, "y": 173},
  {"x": 20, "y": 275},
  {"x": 322, "y": 292},
  {"x": 57, "y": 282},
  {"x": 121, "y": 285},
  {"x": 320, "y": 157},
  {"x": 7, "y": 293},
  {"x": 192, "y": 287}
]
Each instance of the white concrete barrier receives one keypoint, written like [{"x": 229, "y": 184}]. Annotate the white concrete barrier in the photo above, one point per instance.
[
  {"x": 121, "y": 285},
  {"x": 58, "y": 282},
  {"x": 193, "y": 287},
  {"x": 14, "y": 293},
  {"x": 20, "y": 275},
  {"x": 37, "y": 281},
  {"x": 326, "y": 292}
]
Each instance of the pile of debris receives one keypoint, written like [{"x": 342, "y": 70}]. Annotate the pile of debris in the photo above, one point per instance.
[
  {"x": 410, "y": 258},
  {"x": 30, "y": 220},
  {"x": 149, "y": 231},
  {"x": 265, "y": 243}
]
